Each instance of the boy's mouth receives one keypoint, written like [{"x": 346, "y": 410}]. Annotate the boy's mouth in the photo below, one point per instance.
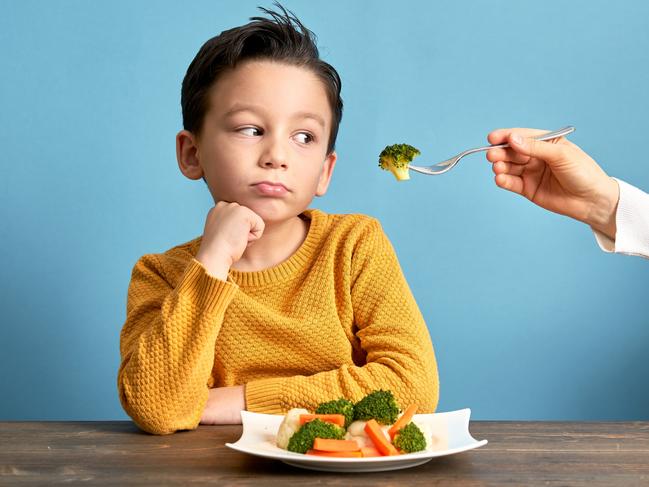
[{"x": 269, "y": 188}]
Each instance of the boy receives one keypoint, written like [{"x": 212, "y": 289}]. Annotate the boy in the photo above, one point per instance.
[{"x": 276, "y": 306}]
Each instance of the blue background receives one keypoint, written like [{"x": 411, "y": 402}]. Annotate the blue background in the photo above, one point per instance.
[{"x": 530, "y": 320}]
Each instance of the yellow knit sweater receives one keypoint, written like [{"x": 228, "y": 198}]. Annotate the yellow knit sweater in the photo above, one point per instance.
[{"x": 337, "y": 319}]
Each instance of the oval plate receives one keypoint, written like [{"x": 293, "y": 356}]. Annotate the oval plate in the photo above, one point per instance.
[{"x": 450, "y": 429}]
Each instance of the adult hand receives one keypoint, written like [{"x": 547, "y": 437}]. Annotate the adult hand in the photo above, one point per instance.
[{"x": 556, "y": 175}]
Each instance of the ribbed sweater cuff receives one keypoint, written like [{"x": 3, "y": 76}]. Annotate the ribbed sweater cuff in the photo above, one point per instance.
[
  {"x": 205, "y": 291},
  {"x": 262, "y": 396}
]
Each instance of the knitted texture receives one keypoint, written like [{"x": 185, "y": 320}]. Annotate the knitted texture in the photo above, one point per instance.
[{"x": 336, "y": 319}]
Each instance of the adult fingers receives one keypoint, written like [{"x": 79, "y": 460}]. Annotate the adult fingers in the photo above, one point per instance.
[
  {"x": 503, "y": 167},
  {"x": 510, "y": 183},
  {"x": 501, "y": 136},
  {"x": 508, "y": 155},
  {"x": 549, "y": 152}
]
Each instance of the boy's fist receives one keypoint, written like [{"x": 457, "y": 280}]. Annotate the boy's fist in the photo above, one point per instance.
[{"x": 229, "y": 229}]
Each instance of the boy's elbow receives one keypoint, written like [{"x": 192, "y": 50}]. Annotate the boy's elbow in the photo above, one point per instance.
[
  {"x": 155, "y": 426},
  {"x": 422, "y": 387},
  {"x": 431, "y": 395},
  {"x": 427, "y": 379},
  {"x": 156, "y": 422},
  {"x": 430, "y": 389},
  {"x": 151, "y": 416},
  {"x": 423, "y": 391}
]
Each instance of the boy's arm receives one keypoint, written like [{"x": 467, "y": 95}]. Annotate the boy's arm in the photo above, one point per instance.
[
  {"x": 392, "y": 332},
  {"x": 167, "y": 344}
]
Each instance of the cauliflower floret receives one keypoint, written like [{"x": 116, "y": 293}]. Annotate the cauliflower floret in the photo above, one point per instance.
[
  {"x": 356, "y": 431},
  {"x": 362, "y": 441},
  {"x": 289, "y": 426},
  {"x": 357, "y": 428}
]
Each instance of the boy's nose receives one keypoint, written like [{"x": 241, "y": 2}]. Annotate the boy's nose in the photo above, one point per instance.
[
  {"x": 273, "y": 163},
  {"x": 274, "y": 156}
]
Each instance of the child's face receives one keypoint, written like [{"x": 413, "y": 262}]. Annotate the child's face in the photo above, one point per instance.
[{"x": 267, "y": 123}]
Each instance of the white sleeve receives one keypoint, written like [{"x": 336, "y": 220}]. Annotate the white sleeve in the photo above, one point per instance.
[{"x": 632, "y": 222}]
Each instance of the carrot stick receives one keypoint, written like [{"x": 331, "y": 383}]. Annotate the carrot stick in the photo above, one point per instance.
[
  {"x": 344, "y": 454},
  {"x": 338, "y": 419},
  {"x": 381, "y": 443},
  {"x": 403, "y": 420},
  {"x": 323, "y": 444},
  {"x": 370, "y": 451}
]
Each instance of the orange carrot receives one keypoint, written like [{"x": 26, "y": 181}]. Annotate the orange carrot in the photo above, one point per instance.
[
  {"x": 323, "y": 444},
  {"x": 370, "y": 451},
  {"x": 381, "y": 443},
  {"x": 403, "y": 420},
  {"x": 344, "y": 454},
  {"x": 338, "y": 419}
]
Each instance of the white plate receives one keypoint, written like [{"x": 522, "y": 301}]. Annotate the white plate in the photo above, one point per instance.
[{"x": 451, "y": 430}]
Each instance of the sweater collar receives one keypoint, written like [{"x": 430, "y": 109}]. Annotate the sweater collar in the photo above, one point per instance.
[{"x": 292, "y": 266}]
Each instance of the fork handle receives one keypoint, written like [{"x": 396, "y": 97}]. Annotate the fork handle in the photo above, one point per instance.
[{"x": 547, "y": 136}]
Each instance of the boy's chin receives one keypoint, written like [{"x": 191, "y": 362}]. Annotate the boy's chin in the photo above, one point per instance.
[{"x": 272, "y": 215}]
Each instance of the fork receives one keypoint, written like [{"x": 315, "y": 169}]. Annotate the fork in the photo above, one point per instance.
[{"x": 447, "y": 165}]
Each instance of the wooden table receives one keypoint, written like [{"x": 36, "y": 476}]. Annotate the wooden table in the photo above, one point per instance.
[{"x": 518, "y": 453}]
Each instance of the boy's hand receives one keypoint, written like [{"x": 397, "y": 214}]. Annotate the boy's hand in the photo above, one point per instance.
[
  {"x": 224, "y": 405},
  {"x": 556, "y": 175},
  {"x": 229, "y": 229}
]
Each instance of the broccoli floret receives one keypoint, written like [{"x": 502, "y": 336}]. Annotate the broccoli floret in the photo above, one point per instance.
[
  {"x": 379, "y": 405},
  {"x": 302, "y": 439},
  {"x": 338, "y": 406},
  {"x": 396, "y": 158},
  {"x": 410, "y": 439}
]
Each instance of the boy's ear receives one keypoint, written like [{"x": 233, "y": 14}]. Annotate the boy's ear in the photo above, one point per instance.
[
  {"x": 187, "y": 155},
  {"x": 327, "y": 172}
]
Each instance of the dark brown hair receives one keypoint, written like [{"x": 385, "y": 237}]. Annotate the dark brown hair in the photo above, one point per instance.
[{"x": 282, "y": 38}]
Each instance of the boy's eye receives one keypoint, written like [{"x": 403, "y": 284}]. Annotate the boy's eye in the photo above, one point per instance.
[
  {"x": 250, "y": 131},
  {"x": 304, "y": 137}
]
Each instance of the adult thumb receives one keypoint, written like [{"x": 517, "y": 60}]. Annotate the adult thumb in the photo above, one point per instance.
[{"x": 529, "y": 146}]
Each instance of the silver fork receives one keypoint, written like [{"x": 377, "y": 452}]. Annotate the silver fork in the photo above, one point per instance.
[{"x": 447, "y": 165}]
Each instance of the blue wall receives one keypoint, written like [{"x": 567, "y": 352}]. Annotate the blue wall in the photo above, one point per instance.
[{"x": 529, "y": 318}]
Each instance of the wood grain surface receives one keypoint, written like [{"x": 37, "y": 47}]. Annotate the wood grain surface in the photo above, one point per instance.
[{"x": 518, "y": 453}]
